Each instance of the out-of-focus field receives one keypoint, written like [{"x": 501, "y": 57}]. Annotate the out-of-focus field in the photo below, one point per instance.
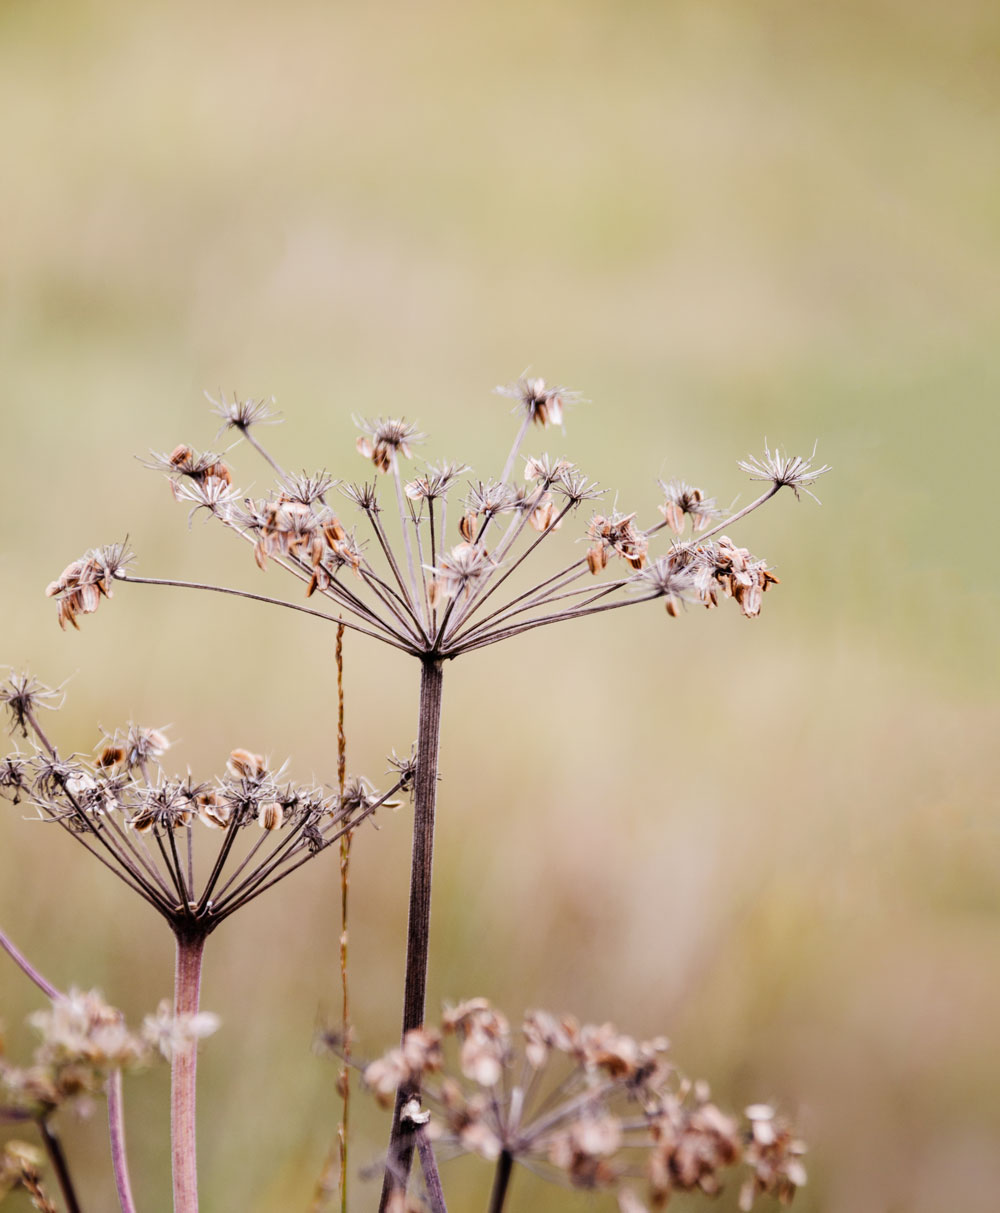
[{"x": 776, "y": 841}]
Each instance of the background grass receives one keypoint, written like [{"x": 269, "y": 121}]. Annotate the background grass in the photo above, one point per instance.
[{"x": 777, "y": 840}]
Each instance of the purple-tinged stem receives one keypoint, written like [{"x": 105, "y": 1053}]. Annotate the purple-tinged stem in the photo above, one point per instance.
[
  {"x": 26, "y": 967},
  {"x": 116, "y": 1132},
  {"x": 53, "y": 1147},
  {"x": 401, "y": 1142},
  {"x": 183, "y": 1074}
]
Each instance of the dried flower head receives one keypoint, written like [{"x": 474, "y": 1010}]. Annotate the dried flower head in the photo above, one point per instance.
[
  {"x": 82, "y": 1040},
  {"x": 784, "y": 470},
  {"x": 615, "y": 535},
  {"x": 81, "y": 585},
  {"x": 23, "y": 696},
  {"x": 239, "y": 414},
  {"x": 540, "y": 403},
  {"x": 682, "y": 499},
  {"x": 144, "y": 824},
  {"x": 385, "y": 439},
  {"x": 584, "y": 1104}
]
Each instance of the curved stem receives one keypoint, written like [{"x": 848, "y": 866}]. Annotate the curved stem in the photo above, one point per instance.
[
  {"x": 401, "y": 1142},
  {"x": 183, "y": 1073},
  {"x": 26, "y": 967},
  {"x": 116, "y": 1131}
]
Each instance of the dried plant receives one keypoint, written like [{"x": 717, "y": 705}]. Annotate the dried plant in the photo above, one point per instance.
[
  {"x": 583, "y": 1104},
  {"x": 458, "y": 568}
]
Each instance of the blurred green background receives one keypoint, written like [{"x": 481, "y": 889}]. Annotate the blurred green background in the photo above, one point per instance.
[{"x": 775, "y": 840}]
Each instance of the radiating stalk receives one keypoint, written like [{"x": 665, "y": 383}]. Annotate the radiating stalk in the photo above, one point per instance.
[{"x": 418, "y": 929}]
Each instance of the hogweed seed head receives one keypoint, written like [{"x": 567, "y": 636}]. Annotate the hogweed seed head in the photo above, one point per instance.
[
  {"x": 784, "y": 470},
  {"x": 427, "y": 595},
  {"x": 385, "y": 439},
  {"x": 539, "y": 402},
  {"x": 121, "y": 800},
  {"x": 585, "y": 1104},
  {"x": 240, "y": 415}
]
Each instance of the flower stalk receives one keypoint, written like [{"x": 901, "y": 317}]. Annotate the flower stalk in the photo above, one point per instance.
[
  {"x": 116, "y": 1132},
  {"x": 183, "y": 1073},
  {"x": 418, "y": 929}
]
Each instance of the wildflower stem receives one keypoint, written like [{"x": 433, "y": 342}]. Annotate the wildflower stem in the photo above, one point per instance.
[
  {"x": 345, "y": 885},
  {"x": 245, "y": 431},
  {"x": 53, "y": 1147},
  {"x": 428, "y": 1164},
  {"x": 508, "y": 467},
  {"x": 501, "y": 1181},
  {"x": 26, "y": 967},
  {"x": 183, "y": 1073},
  {"x": 747, "y": 509},
  {"x": 292, "y": 606},
  {"x": 418, "y": 929},
  {"x": 116, "y": 1131}
]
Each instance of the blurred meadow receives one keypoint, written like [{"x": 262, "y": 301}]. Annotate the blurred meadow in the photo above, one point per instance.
[{"x": 776, "y": 840}]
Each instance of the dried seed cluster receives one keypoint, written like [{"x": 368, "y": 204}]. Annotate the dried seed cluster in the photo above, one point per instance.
[
  {"x": 141, "y": 822},
  {"x": 83, "y": 1040},
  {"x": 427, "y": 594},
  {"x": 584, "y": 1103}
]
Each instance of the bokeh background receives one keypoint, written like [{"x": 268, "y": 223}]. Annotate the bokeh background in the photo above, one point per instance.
[{"x": 776, "y": 840}]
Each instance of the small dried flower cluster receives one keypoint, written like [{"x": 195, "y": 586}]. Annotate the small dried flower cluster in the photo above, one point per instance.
[
  {"x": 584, "y": 1103},
  {"x": 385, "y": 440},
  {"x": 83, "y": 1040},
  {"x": 683, "y": 500},
  {"x": 82, "y": 583},
  {"x": 539, "y": 403},
  {"x": 784, "y": 471},
  {"x": 139, "y": 821}
]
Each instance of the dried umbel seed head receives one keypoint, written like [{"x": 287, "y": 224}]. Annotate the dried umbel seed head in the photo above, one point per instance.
[
  {"x": 81, "y": 585},
  {"x": 791, "y": 471},
  {"x": 459, "y": 571},
  {"x": 585, "y": 1104},
  {"x": 615, "y": 535},
  {"x": 122, "y": 792},
  {"x": 385, "y": 439},
  {"x": 418, "y": 590},
  {"x": 242, "y": 414},
  {"x": 683, "y": 500},
  {"x": 540, "y": 403},
  {"x": 23, "y": 696}
]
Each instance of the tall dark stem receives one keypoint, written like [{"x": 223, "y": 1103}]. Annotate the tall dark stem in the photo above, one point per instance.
[
  {"x": 418, "y": 930},
  {"x": 183, "y": 1073},
  {"x": 501, "y": 1182}
]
